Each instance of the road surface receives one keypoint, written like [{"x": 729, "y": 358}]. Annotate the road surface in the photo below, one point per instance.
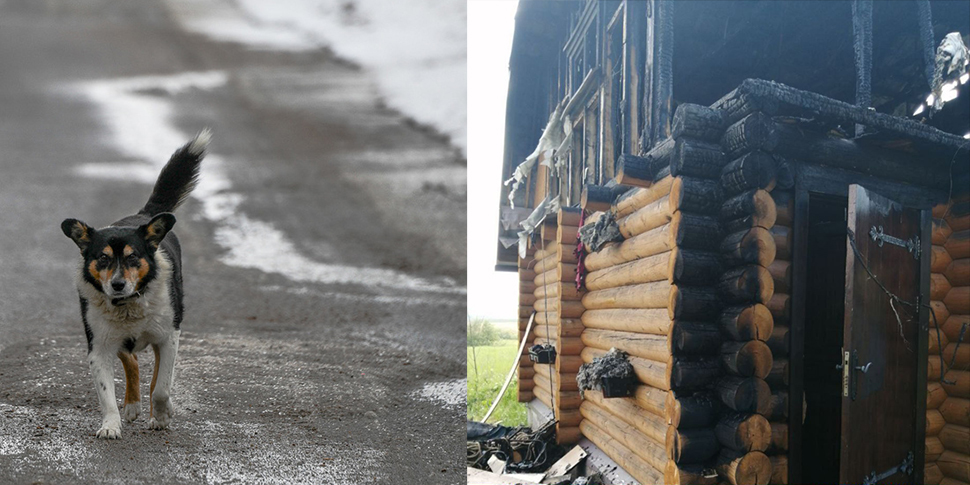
[{"x": 324, "y": 252}]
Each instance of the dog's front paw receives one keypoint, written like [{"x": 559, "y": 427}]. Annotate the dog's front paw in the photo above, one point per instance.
[
  {"x": 162, "y": 415},
  {"x": 110, "y": 430},
  {"x": 131, "y": 411}
]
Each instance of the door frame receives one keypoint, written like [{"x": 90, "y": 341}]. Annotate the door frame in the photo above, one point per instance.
[{"x": 835, "y": 182}]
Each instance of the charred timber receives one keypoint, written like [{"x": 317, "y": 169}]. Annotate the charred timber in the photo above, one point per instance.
[
  {"x": 755, "y": 203},
  {"x": 635, "y": 171},
  {"x": 696, "y": 121},
  {"x": 744, "y": 432},
  {"x": 747, "y": 322},
  {"x": 749, "y": 246},
  {"x": 751, "y": 283},
  {"x": 754, "y": 170}
]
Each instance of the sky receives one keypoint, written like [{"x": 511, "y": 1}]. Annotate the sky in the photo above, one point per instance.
[{"x": 492, "y": 295}]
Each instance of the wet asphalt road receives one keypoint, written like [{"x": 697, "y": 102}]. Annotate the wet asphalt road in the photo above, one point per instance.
[{"x": 282, "y": 377}]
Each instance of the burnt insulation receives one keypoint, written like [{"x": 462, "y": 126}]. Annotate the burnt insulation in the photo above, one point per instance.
[{"x": 613, "y": 364}]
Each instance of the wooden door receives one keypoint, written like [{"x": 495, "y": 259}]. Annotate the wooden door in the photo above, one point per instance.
[{"x": 879, "y": 409}]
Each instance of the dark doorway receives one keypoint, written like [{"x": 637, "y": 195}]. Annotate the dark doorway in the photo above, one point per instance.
[{"x": 824, "y": 320}]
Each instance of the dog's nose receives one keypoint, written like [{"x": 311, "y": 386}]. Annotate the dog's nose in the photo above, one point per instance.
[{"x": 118, "y": 285}]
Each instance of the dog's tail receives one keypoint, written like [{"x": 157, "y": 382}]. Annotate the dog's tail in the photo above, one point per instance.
[{"x": 179, "y": 176}]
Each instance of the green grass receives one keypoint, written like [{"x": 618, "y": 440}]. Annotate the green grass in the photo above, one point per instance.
[{"x": 493, "y": 365}]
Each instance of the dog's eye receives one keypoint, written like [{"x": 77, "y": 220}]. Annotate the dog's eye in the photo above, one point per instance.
[
  {"x": 104, "y": 259},
  {"x": 133, "y": 260}
]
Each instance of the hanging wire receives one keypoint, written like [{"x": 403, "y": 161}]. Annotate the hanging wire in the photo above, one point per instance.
[{"x": 896, "y": 299}]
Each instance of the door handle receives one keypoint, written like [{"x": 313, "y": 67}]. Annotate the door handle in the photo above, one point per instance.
[
  {"x": 854, "y": 379},
  {"x": 863, "y": 368}
]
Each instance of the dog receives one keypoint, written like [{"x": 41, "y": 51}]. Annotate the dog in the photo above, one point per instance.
[{"x": 129, "y": 282}]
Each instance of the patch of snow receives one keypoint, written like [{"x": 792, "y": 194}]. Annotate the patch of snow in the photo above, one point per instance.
[
  {"x": 249, "y": 243},
  {"x": 450, "y": 394},
  {"x": 415, "y": 49}
]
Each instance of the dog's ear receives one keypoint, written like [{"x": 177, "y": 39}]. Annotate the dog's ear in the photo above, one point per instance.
[
  {"x": 78, "y": 231},
  {"x": 157, "y": 228}
]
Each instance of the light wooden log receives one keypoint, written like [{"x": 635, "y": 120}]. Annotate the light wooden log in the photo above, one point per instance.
[
  {"x": 751, "y": 283},
  {"x": 644, "y": 270},
  {"x": 651, "y": 399},
  {"x": 779, "y": 469},
  {"x": 744, "y": 432},
  {"x": 752, "y": 468},
  {"x": 956, "y": 410},
  {"x": 941, "y": 231},
  {"x": 563, "y": 308},
  {"x": 648, "y": 372},
  {"x": 653, "y": 215},
  {"x": 778, "y": 406},
  {"x": 955, "y": 465},
  {"x": 779, "y": 342},
  {"x": 567, "y": 234},
  {"x": 569, "y": 418},
  {"x": 630, "y": 201},
  {"x": 747, "y": 359},
  {"x": 958, "y": 244},
  {"x": 934, "y": 448},
  {"x": 526, "y": 275},
  {"x": 958, "y": 300},
  {"x": 525, "y": 311},
  {"x": 689, "y": 474},
  {"x": 958, "y": 357},
  {"x": 546, "y": 263},
  {"x": 783, "y": 241},
  {"x": 563, "y": 272},
  {"x": 935, "y": 396},
  {"x": 546, "y": 249},
  {"x": 646, "y": 295},
  {"x": 932, "y": 475},
  {"x": 637, "y": 467},
  {"x": 939, "y": 286},
  {"x": 753, "y": 170},
  {"x": 781, "y": 273},
  {"x": 779, "y": 437},
  {"x": 691, "y": 446},
  {"x": 784, "y": 206},
  {"x": 780, "y": 307},
  {"x": 685, "y": 231},
  {"x": 747, "y": 322},
  {"x": 525, "y": 396},
  {"x": 939, "y": 259},
  {"x": 568, "y": 216},
  {"x": 567, "y": 253},
  {"x": 934, "y": 422},
  {"x": 568, "y": 364},
  {"x": 755, "y": 203},
  {"x": 958, "y": 271},
  {"x": 778, "y": 377},
  {"x": 527, "y": 286},
  {"x": 953, "y": 326},
  {"x": 568, "y": 436},
  {"x": 744, "y": 394},
  {"x": 526, "y": 299},
  {"x": 700, "y": 410},
  {"x": 933, "y": 370},
  {"x": 640, "y": 444},
  {"x": 643, "y": 320},
  {"x": 627, "y": 410},
  {"x": 961, "y": 380},
  {"x": 750, "y": 246},
  {"x": 565, "y": 290},
  {"x": 651, "y": 347}
]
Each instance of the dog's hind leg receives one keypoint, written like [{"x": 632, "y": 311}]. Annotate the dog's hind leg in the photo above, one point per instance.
[
  {"x": 162, "y": 408},
  {"x": 132, "y": 405}
]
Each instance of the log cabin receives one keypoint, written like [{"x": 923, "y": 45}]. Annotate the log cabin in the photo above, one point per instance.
[{"x": 791, "y": 278}]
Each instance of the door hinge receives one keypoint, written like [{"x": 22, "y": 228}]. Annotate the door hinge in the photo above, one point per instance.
[
  {"x": 906, "y": 468},
  {"x": 912, "y": 244}
]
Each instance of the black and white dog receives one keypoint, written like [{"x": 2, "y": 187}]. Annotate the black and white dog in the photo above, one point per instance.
[{"x": 130, "y": 286}]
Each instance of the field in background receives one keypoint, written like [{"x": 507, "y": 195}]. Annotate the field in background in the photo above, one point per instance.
[{"x": 494, "y": 362}]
